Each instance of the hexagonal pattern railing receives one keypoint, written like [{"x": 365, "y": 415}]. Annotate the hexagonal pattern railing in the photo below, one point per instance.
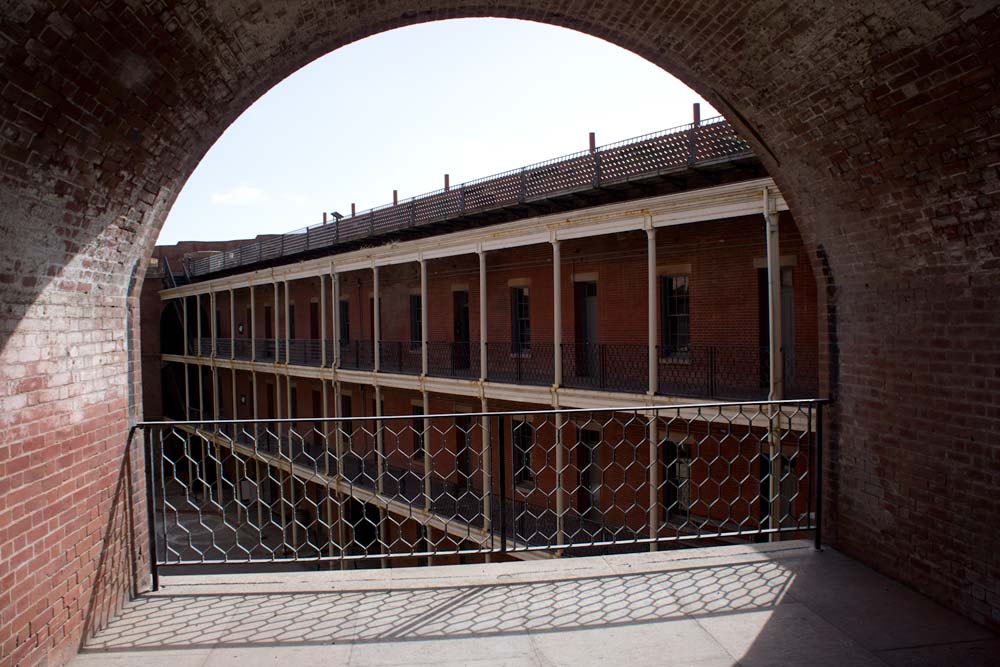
[{"x": 539, "y": 483}]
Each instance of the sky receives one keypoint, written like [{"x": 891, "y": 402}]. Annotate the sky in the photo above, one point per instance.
[{"x": 396, "y": 111}]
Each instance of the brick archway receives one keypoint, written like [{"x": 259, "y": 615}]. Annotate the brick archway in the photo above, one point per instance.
[{"x": 879, "y": 127}]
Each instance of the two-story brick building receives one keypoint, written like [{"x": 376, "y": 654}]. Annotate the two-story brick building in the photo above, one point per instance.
[{"x": 660, "y": 284}]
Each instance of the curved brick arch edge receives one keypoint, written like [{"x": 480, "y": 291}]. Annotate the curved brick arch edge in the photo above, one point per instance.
[{"x": 877, "y": 124}]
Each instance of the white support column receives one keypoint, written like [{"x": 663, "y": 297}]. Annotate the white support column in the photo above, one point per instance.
[
  {"x": 252, "y": 327},
  {"x": 377, "y": 319},
  {"x": 187, "y": 392},
  {"x": 423, "y": 319},
  {"x": 197, "y": 322},
  {"x": 776, "y": 392},
  {"x": 339, "y": 443},
  {"x": 654, "y": 480},
  {"x": 776, "y": 387},
  {"x": 213, "y": 321},
  {"x": 383, "y": 528},
  {"x": 427, "y": 470},
  {"x": 184, "y": 318},
  {"x": 651, "y": 309},
  {"x": 277, "y": 336},
  {"x": 253, "y": 383},
  {"x": 483, "y": 368},
  {"x": 560, "y": 469},
  {"x": 232, "y": 325},
  {"x": 291, "y": 455},
  {"x": 322, "y": 328},
  {"x": 288, "y": 326},
  {"x": 335, "y": 277},
  {"x": 236, "y": 399},
  {"x": 556, "y": 314},
  {"x": 485, "y": 463}
]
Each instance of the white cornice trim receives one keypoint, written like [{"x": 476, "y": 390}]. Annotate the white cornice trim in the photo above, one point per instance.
[{"x": 680, "y": 208}]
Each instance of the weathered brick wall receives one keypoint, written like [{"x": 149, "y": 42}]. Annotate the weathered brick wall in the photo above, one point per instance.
[{"x": 877, "y": 121}]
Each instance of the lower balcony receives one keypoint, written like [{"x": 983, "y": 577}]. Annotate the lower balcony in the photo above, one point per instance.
[{"x": 768, "y": 604}]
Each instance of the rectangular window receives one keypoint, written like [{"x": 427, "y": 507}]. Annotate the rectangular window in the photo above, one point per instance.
[
  {"x": 520, "y": 320},
  {"x": 417, "y": 426},
  {"x": 675, "y": 315},
  {"x": 345, "y": 322},
  {"x": 291, "y": 322},
  {"x": 522, "y": 437},
  {"x": 416, "y": 324}
]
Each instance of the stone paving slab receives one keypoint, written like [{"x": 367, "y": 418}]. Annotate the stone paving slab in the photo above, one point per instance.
[{"x": 770, "y": 604}]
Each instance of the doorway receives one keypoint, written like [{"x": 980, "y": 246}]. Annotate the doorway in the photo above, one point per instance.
[
  {"x": 585, "y": 327},
  {"x": 460, "y": 352}
]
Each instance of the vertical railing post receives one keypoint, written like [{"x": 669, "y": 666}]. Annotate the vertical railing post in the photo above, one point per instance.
[
  {"x": 651, "y": 306},
  {"x": 818, "y": 454},
  {"x": 502, "y": 473},
  {"x": 150, "y": 504}
]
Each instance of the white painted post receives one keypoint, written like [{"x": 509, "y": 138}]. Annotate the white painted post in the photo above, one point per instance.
[
  {"x": 654, "y": 481},
  {"x": 252, "y": 326},
  {"x": 288, "y": 327},
  {"x": 651, "y": 308},
  {"x": 423, "y": 316},
  {"x": 556, "y": 314},
  {"x": 232, "y": 327},
  {"x": 482, "y": 316},
  {"x": 377, "y": 318},
  {"x": 322, "y": 328},
  {"x": 213, "y": 320},
  {"x": 776, "y": 388},
  {"x": 336, "y": 319}
]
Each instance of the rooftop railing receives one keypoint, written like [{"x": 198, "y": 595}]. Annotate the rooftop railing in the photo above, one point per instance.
[{"x": 712, "y": 140}]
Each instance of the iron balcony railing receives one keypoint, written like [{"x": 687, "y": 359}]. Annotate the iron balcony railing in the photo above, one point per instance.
[
  {"x": 453, "y": 359},
  {"x": 358, "y": 355},
  {"x": 543, "y": 482},
  {"x": 724, "y": 372},
  {"x": 713, "y": 140},
  {"x": 519, "y": 363},
  {"x": 404, "y": 357},
  {"x": 605, "y": 367},
  {"x": 305, "y": 352}
]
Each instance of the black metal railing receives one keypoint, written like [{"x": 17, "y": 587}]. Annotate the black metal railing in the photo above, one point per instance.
[
  {"x": 243, "y": 349},
  {"x": 265, "y": 350},
  {"x": 546, "y": 481},
  {"x": 453, "y": 359},
  {"x": 606, "y": 366},
  {"x": 713, "y": 140},
  {"x": 305, "y": 352},
  {"x": 400, "y": 356},
  {"x": 519, "y": 363},
  {"x": 358, "y": 355}
]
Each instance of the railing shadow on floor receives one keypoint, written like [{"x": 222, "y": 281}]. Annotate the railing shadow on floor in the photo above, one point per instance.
[{"x": 191, "y": 621}]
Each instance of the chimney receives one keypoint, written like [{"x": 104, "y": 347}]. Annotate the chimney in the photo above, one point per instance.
[
  {"x": 593, "y": 142},
  {"x": 395, "y": 197},
  {"x": 697, "y": 114},
  {"x": 353, "y": 211},
  {"x": 324, "y": 217},
  {"x": 447, "y": 183}
]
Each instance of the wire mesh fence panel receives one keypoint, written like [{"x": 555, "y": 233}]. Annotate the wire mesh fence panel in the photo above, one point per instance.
[{"x": 555, "y": 482}]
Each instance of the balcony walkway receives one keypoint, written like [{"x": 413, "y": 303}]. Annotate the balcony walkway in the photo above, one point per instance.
[{"x": 749, "y": 605}]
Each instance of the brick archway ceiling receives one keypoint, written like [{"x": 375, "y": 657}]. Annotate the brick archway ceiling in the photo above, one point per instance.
[{"x": 874, "y": 118}]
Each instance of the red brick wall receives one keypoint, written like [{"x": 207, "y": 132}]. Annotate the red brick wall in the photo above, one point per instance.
[{"x": 876, "y": 125}]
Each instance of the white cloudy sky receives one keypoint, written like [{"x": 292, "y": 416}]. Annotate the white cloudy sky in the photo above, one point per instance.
[{"x": 398, "y": 110}]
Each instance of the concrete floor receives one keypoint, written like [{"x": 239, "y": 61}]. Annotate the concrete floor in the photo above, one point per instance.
[{"x": 780, "y": 604}]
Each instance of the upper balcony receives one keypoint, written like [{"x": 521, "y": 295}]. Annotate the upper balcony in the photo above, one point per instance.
[{"x": 661, "y": 162}]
